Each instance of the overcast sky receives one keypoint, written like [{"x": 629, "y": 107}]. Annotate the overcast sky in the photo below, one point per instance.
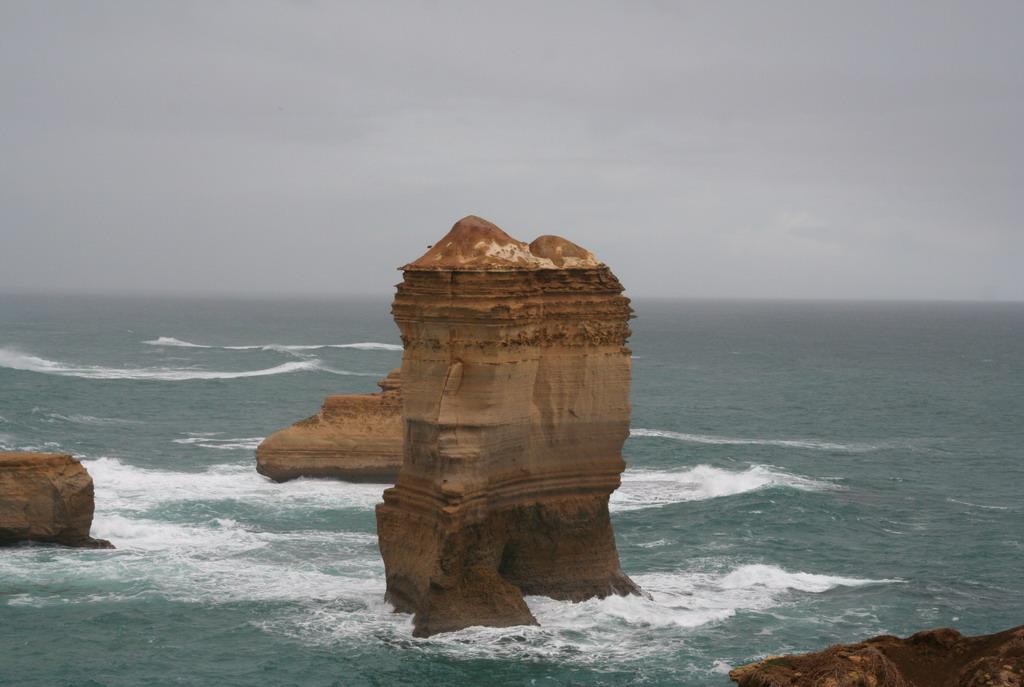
[{"x": 701, "y": 149}]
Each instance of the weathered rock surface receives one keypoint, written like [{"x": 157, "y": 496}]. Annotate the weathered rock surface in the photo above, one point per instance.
[
  {"x": 933, "y": 658},
  {"x": 46, "y": 497},
  {"x": 356, "y": 438},
  {"x": 515, "y": 386}
]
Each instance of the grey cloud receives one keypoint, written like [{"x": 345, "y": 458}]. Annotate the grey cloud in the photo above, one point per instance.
[{"x": 312, "y": 147}]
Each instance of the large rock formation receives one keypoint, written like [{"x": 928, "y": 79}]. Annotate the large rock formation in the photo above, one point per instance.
[
  {"x": 933, "y": 658},
  {"x": 515, "y": 384},
  {"x": 357, "y": 438},
  {"x": 46, "y": 497}
]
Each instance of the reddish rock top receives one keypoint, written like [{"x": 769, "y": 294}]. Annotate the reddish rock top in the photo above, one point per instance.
[
  {"x": 562, "y": 252},
  {"x": 476, "y": 244}
]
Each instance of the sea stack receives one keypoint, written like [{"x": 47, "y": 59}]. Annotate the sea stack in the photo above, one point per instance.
[
  {"x": 47, "y": 498},
  {"x": 355, "y": 438},
  {"x": 515, "y": 388}
]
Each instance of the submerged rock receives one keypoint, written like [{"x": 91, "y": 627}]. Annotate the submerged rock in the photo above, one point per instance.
[
  {"x": 515, "y": 386},
  {"x": 356, "y": 438},
  {"x": 933, "y": 658},
  {"x": 46, "y": 497}
]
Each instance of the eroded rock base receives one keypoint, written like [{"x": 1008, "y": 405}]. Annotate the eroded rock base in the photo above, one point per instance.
[{"x": 563, "y": 549}]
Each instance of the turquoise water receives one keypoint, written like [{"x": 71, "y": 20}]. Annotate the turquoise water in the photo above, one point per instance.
[{"x": 799, "y": 474}]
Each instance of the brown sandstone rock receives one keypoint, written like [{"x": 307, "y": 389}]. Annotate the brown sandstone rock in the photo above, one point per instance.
[
  {"x": 46, "y": 497},
  {"x": 515, "y": 384},
  {"x": 357, "y": 438},
  {"x": 933, "y": 658}
]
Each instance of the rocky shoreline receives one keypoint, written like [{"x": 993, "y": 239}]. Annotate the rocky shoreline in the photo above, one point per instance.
[{"x": 933, "y": 658}]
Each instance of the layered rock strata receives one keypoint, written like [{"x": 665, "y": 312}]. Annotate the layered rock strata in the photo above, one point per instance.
[
  {"x": 46, "y": 497},
  {"x": 515, "y": 386},
  {"x": 933, "y": 658},
  {"x": 356, "y": 438}
]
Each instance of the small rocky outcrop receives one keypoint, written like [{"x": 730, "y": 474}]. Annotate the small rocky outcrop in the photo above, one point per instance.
[
  {"x": 356, "y": 438},
  {"x": 933, "y": 658},
  {"x": 46, "y": 497},
  {"x": 515, "y": 386}
]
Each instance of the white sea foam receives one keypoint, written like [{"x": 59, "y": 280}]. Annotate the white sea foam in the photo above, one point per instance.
[
  {"x": 690, "y": 599},
  {"x": 217, "y": 537},
  {"x": 789, "y": 443},
  {"x": 648, "y": 488},
  {"x": 772, "y": 578},
  {"x": 217, "y": 561},
  {"x": 654, "y": 544},
  {"x": 20, "y": 361},
  {"x": 720, "y": 667},
  {"x": 333, "y": 581},
  {"x": 126, "y": 488},
  {"x": 610, "y": 629},
  {"x": 133, "y": 533},
  {"x": 163, "y": 552}
]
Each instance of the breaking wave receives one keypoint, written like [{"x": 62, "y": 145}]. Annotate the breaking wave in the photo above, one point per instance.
[
  {"x": 209, "y": 440},
  {"x": 171, "y": 341},
  {"x": 199, "y": 563},
  {"x": 127, "y": 488},
  {"x": 613, "y": 628},
  {"x": 20, "y": 361},
  {"x": 334, "y": 581},
  {"x": 770, "y": 577},
  {"x": 362, "y": 346},
  {"x": 790, "y": 443},
  {"x": 647, "y": 489}
]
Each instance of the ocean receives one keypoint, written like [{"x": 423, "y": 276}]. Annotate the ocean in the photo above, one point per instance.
[{"x": 799, "y": 474}]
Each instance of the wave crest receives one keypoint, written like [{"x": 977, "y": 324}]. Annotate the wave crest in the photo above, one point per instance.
[
  {"x": 127, "y": 488},
  {"x": 789, "y": 443},
  {"x": 207, "y": 440},
  {"x": 647, "y": 489},
  {"x": 771, "y": 577},
  {"x": 16, "y": 360},
  {"x": 171, "y": 341},
  {"x": 362, "y": 345}
]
